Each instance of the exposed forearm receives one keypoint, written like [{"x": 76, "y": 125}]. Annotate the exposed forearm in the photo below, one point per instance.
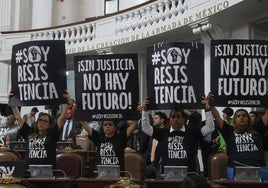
[
  {"x": 17, "y": 115},
  {"x": 61, "y": 118},
  {"x": 133, "y": 125},
  {"x": 217, "y": 117}
]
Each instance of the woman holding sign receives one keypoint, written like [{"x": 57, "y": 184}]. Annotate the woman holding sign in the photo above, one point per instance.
[
  {"x": 244, "y": 142},
  {"x": 41, "y": 140}
]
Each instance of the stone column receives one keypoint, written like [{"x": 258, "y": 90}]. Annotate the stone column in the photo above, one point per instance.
[{"x": 41, "y": 14}]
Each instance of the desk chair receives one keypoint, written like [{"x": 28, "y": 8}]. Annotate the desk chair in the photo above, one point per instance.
[
  {"x": 217, "y": 165},
  {"x": 7, "y": 155},
  {"x": 85, "y": 143},
  {"x": 136, "y": 165},
  {"x": 71, "y": 163}
]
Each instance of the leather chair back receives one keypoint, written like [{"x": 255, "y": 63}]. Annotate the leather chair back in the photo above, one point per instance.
[
  {"x": 217, "y": 165},
  {"x": 85, "y": 143},
  {"x": 71, "y": 163},
  {"x": 6, "y": 155},
  {"x": 136, "y": 165}
]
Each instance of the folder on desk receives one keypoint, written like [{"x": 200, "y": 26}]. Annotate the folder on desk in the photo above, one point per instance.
[
  {"x": 41, "y": 171},
  {"x": 175, "y": 172},
  {"x": 247, "y": 173},
  {"x": 108, "y": 171}
]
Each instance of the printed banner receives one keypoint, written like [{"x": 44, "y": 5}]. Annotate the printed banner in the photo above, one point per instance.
[
  {"x": 239, "y": 73},
  {"x": 175, "y": 75},
  {"x": 107, "y": 87},
  {"x": 38, "y": 73}
]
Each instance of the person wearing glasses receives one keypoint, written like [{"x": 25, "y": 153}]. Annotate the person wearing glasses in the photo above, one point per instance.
[
  {"x": 179, "y": 141},
  {"x": 41, "y": 140},
  {"x": 110, "y": 142}
]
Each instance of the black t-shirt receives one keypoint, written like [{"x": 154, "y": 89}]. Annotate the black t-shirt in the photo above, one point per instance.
[
  {"x": 110, "y": 151},
  {"x": 245, "y": 148},
  {"x": 179, "y": 147},
  {"x": 40, "y": 150}
]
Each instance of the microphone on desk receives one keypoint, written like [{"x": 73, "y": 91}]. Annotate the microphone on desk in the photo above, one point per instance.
[{"x": 242, "y": 164}]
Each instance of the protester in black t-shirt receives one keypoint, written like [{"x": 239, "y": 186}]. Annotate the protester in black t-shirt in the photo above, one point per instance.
[
  {"x": 110, "y": 142},
  {"x": 244, "y": 142},
  {"x": 179, "y": 142},
  {"x": 41, "y": 140}
]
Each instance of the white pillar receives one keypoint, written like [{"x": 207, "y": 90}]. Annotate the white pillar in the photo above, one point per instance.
[
  {"x": 5, "y": 80},
  {"x": 41, "y": 14},
  {"x": 5, "y": 6}
]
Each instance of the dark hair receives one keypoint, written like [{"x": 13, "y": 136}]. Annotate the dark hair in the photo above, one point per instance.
[
  {"x": 195, "y": 181},
  {"x": 229, "y": 111},
  {"x": 178, "y": 110},
  {"x": 162, "y": 115},
  {"x": 34, "y": 109},
  {"x": 254, "y": 112}
]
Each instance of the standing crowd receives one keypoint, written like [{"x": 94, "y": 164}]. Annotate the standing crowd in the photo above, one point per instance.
[{"x": 161, "y": 140}]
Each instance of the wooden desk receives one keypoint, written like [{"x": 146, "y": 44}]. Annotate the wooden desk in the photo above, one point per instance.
[
  {"x": 154, "y": 183},
  {"x": 88, "y": 157},
  {"x": 240, "y": 184},
  {"x": 71, "y": 183}
]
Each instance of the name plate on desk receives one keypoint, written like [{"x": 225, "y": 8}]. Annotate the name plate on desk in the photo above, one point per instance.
[
  {"x": 108, "y": 171},
  {"x": 244, "y": 173}
]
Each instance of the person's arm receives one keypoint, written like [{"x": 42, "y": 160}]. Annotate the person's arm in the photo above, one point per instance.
[
  {"x": 215, "y": 112},
  {"x": 16, "y": 112},
  {"x": 25, "y": 117},
  {"x": 61, "y": 118},
  {"x": 145, "y": 119},
  {"x": 17, "y": 115},
  {"x": 145, "y": 124},
  {"x": 87, "y": 127},
  {"x": 209, "y": 126},
  {"x": 265, "y": 117},
  {"x": 132, "y": 126}
]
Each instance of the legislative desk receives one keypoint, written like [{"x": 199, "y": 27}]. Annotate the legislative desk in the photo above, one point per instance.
[
  {"x": 88, "y": 158},
  {"x": 71, "y": 183},
  {"x": 155, "y": 183},
  {"x": 240, "y": 184}
]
